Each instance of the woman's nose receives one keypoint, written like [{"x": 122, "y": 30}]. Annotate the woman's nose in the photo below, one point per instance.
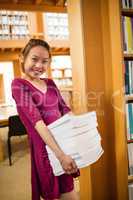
[{"x": 39, "y": 64}]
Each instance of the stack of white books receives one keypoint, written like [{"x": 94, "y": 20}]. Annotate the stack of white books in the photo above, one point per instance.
[{"x": 77, "y": 136}]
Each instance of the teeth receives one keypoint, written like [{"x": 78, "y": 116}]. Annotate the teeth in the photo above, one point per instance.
[{"x": 38, "y": 71}]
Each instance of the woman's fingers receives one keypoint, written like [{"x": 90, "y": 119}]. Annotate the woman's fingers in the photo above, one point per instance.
[{"x": 68, "y": 164}]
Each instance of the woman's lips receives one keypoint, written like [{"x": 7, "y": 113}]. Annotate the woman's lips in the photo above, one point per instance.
[{"x": 37, "y": 69}]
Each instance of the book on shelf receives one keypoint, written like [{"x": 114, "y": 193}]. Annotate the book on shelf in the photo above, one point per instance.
[
  {"x": 130, "y": 156},
  {"x": 128, "y": 70},
  {"x": 127, "y": 3},
  {"x": 127, "y": 27},
  {"x": 129, "y": 120},
  {"x": 130, "y": 189}
]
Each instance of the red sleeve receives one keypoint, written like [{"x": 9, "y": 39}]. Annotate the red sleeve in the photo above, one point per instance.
[
  {"x": 24, "y": 102},
  {"x": 64, "y": 108}
]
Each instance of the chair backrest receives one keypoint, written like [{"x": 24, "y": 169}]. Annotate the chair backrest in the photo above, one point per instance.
[{"x": 16, "y": 127}]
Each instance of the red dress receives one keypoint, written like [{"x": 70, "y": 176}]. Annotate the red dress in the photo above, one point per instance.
[{"x": 34, "y": 105}]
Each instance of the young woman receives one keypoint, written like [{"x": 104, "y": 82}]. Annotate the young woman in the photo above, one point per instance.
[{"x": 39, "y": 103}]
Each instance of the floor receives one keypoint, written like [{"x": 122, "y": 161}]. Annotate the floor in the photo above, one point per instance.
[{"x": 15, "y": 181}]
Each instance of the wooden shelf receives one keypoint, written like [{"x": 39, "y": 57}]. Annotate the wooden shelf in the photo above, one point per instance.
[
  {"x": 129, "y": 98},
  {"x": 130, "y": 141},
  {"x": 47, "y": 6},
  {"x": 127, "y": 12},
  {"x": 128, "y": 56},
  {"x": 130, "y": 179}
]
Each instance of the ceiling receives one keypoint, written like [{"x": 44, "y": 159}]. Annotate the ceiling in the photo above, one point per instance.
[{"x": 34, "y": 5}]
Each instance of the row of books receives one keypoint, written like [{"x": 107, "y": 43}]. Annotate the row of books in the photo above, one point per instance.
[
  {"x": 11, "y": 20},
  {"x": 128, "y": 67},
  {"x": 127, "y": 3},
  {"x": 65, "y": 82},
  {"x": 57, "y": 25},
  {"x": 127, "y": 26},
  {"x": 129, "y": 120},
  {"x": 10, "y": 12},
  {"x": 13, "y": 37},
  {"x": 67, "y": 73},
  {"x": 130, "y": 156},
  {"x": 17, "y": 30}
]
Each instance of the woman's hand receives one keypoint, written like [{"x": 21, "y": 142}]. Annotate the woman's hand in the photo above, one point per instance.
[{"x": 68, "y": 164}]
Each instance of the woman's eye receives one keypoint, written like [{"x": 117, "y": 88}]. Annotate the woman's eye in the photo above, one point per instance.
[
  {"x": 45, "y": 61},
  {"x": 34, "y": 59}
]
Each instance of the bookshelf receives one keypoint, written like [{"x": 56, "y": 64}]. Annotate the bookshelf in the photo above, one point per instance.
[
  {"x": 127, "y": 19},
  {"x": 129, "y": 98},
  {"x": 97, "y": 67},
  {"x": 61, "y": 70},
  {"x": 61, "y": 73},
  {"x": 13, "y": 25},
  {"x": 128, "y": 56}
]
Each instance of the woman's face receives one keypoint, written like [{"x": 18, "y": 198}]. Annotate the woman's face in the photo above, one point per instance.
[{"x": 36, "y": 62}]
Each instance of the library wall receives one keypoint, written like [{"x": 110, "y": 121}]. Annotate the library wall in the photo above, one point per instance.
[{"x": 101, "y": 67}]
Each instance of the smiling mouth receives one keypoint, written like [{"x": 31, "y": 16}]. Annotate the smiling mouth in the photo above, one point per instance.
[{"x": 37, "y": 72}]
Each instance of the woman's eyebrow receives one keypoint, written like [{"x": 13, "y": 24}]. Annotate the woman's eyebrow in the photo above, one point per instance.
[{"x": 39, "y": 57}]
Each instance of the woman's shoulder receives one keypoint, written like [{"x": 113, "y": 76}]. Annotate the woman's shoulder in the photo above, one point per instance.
[
  {"x": 19, "y": 82},
  {"x": 50, "y": 82}
]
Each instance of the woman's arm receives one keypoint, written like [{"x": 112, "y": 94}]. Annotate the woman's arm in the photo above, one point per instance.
[{"x": 68, "y": 164}]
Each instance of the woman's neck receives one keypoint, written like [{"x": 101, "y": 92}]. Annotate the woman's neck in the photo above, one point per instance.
[{"x": 30, "y": 78}]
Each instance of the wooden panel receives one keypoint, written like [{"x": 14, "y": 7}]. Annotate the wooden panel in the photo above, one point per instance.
[
  {"x": 114, "y": 88},
  {"x": 38, "y": 1},
  {"x": 17, "y": 69},
  {"x": 32, "y": 23},
  {"x": 39, "y": 20},
  {"x": 32, "y": 7},
  {"x": 79, "y": 79},
  {"x": 95, "y": 76},
  {"x": 8, "y": 56},
  {"x": 13, "y": 43}
]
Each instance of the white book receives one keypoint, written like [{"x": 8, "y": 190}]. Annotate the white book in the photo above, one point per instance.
[
  {"x": 78, "y": 137},
  {"x": 132, "y": 3},
  {"x": 127, "y": 3},
  {"x": 123, "y": 4}
]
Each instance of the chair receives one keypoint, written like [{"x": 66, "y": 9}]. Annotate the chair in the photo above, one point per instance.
[{"x": 16, "y": 128}]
